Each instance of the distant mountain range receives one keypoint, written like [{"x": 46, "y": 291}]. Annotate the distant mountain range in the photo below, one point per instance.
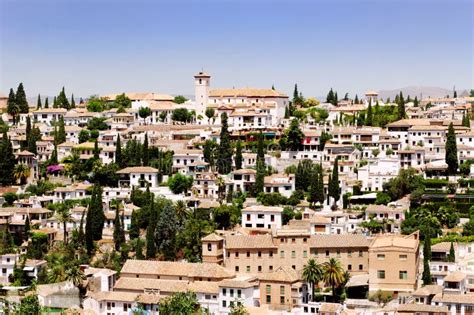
[{"x": 419, "y": 91}]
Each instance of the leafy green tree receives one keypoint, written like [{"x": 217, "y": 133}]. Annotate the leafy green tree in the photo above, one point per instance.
[
  {"x": 303, "y": 175},
  {"x": 95, "y": 104},
  {"x": 325, "y": 137},
  {"x": 225, "y": 216},
  {"x": 451, "y": 156},
  {"x": 166, "y": 231},
  {"x": 63, "y": 216},
  {"x": 238, "y": 155},
  {"x": 313, "y": 274},
  {"x": 181, "y": 115},
  {"x": 83, "y": 136},
  {"x": 293, "y": 137},
  {"x": 123, "y": 101},
  {"x": 30, "y": 305},
  {"x": 224, "y": 154},
  {"x": 180, "y": 303},
  {"x": 144, "y": 112},
  {"x": 180, "y": 183},
  {"x": 180, "y": 99},
  {"x": 97, "y": 123}
]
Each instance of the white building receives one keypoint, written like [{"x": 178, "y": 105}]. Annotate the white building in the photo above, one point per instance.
[{"x": 262, "y": 217}]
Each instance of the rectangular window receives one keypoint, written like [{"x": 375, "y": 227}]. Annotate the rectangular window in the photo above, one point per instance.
[
  {"x": 268, "y": 289},
  {"x": 349, "y": 267},
  {"x": 305, "y": 254},
  {"x": 224, "y": 292},
  {"x": 282, "y": 254},
  {"x": 224, "y": 303},
  {"x": 293, "y": 254},
  {"x": 361, "y": 253},
  {"x": 269, "y": 299},
  {"x": 248, "y": 268},
  {"x": 349, "y": 253},
  {"x": 282, "y": 300},
  {"x": 361, "y": 267},
  {"x": 403, "y": 257},
  {"x": 239, "y": 293},
  {"x": 380, "y": 274},
  {"x": 259, "y": 268},
  {"x": 232, "y": 292},
  {"x": 282, "y": 290},
  {"x": 259, "y": 254},
  {"x": 403, "y": 275},
  {"x": 381, "y": 256},
  {"x": 327, "y": 253}
]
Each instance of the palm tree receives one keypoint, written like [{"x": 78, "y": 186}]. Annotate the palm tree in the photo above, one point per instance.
[
  {"x": 312, "y": 273},
  {"x": 75, "y": 275},
  {"x": 21, "y": 173},
  {"x": 63, "y": 215},
  {"x": 333, "y": 275},
  {"x": 56, "y": 272},
  {"x": 181, "y": 209}
]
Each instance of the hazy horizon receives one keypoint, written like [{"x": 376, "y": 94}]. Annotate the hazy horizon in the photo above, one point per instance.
[{"x": 99, "y": 47}]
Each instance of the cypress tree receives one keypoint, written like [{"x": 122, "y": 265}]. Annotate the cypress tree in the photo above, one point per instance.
[
  {"x": 287, "y": 112},
  {"x": 96, "y": 150},
  {"x": 146, "y": 154},
  {"x": 166, "y": 231},
  {"x": 12, "y": 106},
  {"x": 28, "y": 129},
  {"x": 336, "y": 99},
  {"x": 7, "y": 160},
  {"x": 119, "y": 237},
  {"x": 314, "y": 186},
  {"x": 370, "y": 114},
  {"x": 415, "y": 102},
  {"x": 150, "y": 232},
  {"x": 118, "y": 153},
  {"x": 224, "y": 155},
  {"x": 330, "y": 97},
  {"x": 73, "y": 102},
  {"x": 62, "y": 101},
  {"x": 260, "y": 165},
  {"x": 35, "y": 136},
  {"x": 27, "y": 227},
  {"x": 356, "y": 99},
  {"x": 334, "y": 183},
  {"x": 427, "y": 256},
  {"x": 95, "y": 218},
  {"x": 55, "y": 102},
  {"x": 452, "y": 254},
  {"x": 139, "y": 249},
  {"x": 134, "y": 231},
  {"x": 46, "y": 102},
  {"x": 21, "y": 99},
  {"x": 38, "y": 103},
  {"x": 451, "y": 156},
  {"x": 401, "y": 106},
  {"x": 320, "y": 189},
  {"x": 455, "y": 94},
  {"x": 295, "y": 93},
  {"x": 60, "y": 132},
  {"x": 238, "y": 155}
]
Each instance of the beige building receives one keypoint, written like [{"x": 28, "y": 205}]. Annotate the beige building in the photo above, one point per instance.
[
  {"x": 281, "y": 289},
  {"x": 393, "y": 263},
  {"x": 291, "y": 248}
]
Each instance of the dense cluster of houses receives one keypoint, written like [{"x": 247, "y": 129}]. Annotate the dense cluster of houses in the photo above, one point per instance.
[{"x": 258, "y": 264}]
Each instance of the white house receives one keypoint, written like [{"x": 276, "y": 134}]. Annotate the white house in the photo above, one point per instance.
[
  {"x": 138, "y": 176},
  {"x": 262, "y": 217}
]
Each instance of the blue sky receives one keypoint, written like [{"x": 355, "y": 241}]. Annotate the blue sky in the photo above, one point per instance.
[{"x": 102, "y": 46}]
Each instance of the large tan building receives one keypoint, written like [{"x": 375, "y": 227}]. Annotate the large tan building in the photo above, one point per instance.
[
  {"x": 394, "y": 263},
  {"x": 256, "y": 254}
]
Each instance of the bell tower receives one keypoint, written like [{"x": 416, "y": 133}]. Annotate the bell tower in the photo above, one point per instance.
[{"x": 202, "y": 82}]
